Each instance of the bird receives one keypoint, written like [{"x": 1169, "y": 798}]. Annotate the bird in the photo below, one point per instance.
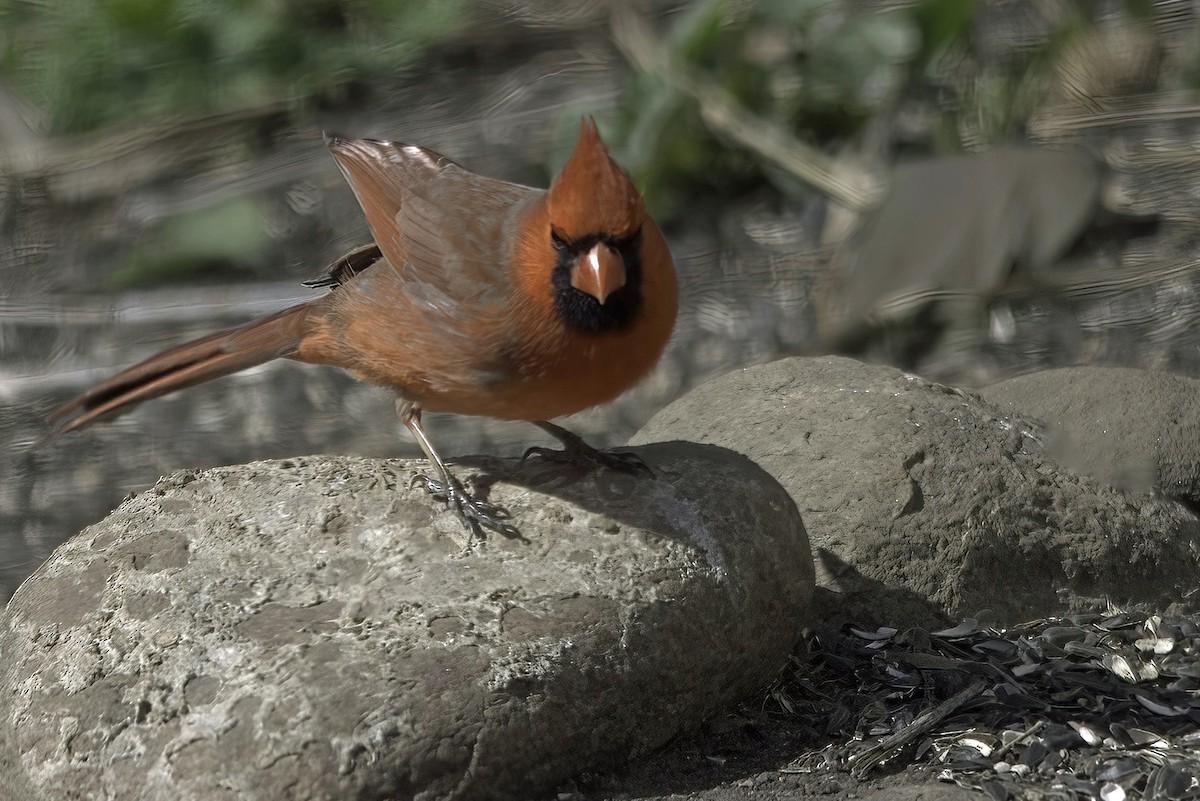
[{"x": 477, "y": 297}]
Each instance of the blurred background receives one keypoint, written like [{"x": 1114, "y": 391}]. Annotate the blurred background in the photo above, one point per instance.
[{"x": 966, "y": 189}]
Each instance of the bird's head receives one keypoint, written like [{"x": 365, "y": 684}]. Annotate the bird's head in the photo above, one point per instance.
[{"x": 596, "y": 217}]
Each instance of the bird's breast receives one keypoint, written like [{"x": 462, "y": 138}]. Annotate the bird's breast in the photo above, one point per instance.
[{"x": 550, "y": 382}]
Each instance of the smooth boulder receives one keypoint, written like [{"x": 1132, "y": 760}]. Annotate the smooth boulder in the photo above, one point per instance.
[
  {"x": 1136, "y": 429},
  {"x": 315, "y": 629},
  {"x": 925, "y": 503}
]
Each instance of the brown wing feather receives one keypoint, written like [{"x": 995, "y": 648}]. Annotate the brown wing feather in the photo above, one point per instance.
[
  {"x": 435, "y": 221},
  {"x": 346, "y": 267}
]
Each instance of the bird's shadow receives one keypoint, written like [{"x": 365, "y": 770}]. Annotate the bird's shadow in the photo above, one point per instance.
[
  {"x": 679, "y": 474},
  {"x": 692, "y": 470}
]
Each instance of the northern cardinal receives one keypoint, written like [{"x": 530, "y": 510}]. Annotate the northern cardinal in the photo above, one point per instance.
[{"x": 478, "y": 296}]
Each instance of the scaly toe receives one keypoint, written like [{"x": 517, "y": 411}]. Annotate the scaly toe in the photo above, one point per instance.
[{"x": 474, "y": 513}]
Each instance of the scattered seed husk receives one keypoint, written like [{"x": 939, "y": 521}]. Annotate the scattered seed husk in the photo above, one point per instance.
[{"x": 1104, "y": 707}]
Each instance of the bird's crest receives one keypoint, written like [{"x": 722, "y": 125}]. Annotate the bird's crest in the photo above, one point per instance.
[{"x": 593, "y": 195}]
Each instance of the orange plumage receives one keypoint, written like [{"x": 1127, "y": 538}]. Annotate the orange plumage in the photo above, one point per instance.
[{"x": 478, "y": 296}]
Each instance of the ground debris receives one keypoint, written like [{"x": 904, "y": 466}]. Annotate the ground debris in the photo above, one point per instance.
[{"x": 1091, "y": 706}]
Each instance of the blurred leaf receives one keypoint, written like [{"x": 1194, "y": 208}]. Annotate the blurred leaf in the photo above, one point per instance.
[
  {"x": 93, "y": 62},
  {"x": 942, "y": 22},
  {"x": 1141, "y": 9},
  {"x": 218, "y": 238},
  {"x": 698, "y": 30}
]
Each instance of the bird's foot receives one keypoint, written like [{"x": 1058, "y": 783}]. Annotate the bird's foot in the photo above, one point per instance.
[
  {"x": 475, "y": 514},
  {"x": 579, "y": 453}
]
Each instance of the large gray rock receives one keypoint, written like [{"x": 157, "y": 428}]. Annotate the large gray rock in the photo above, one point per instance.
[
  {"x": 1135, "y": 429},
  {"x": 313, "y": 629},
  {"x": 925, "y": 503}
]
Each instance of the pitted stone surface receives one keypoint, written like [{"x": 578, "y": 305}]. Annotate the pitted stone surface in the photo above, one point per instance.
[{"x": 314, "y": 629}]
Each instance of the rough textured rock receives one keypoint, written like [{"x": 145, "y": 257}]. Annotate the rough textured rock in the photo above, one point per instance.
[
  {"x": 312, "y": 629},
  {"x": 925, "y": 503},
  {"x": 1135, "y": 429}
]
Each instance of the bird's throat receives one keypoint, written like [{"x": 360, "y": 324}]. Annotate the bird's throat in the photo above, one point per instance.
[{"x": 582, "y": 311}]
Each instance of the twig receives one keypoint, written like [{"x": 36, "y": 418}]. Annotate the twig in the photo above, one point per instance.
[
  {"x": 722, "y": 112},
  {"x": 1025, "y": 736},
  {"x": 863, "y": 763}
]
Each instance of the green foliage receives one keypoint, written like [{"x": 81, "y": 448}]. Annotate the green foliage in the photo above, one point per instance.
[
  {"x": 942, "y": 23},
  {"x": 217, "y": 239},
  {"x": 92, "y": 62},
  {"x": 821, "y": 71},
  {"x": 806, "y": 66}
]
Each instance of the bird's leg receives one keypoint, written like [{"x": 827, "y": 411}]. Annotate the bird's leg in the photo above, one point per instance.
[
  {"x": 576, "y": 451},
  {"x": 473, "y": 512}
]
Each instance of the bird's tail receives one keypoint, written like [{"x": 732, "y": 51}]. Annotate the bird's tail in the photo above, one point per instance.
[{"x": 195, "y": 362}]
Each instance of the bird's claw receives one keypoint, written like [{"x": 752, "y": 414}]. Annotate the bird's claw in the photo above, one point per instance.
[
  {"x": 474, "y": 513},
  {"x": 584, "y": 455}
]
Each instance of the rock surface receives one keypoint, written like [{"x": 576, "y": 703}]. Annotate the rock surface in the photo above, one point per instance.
[
  {"x": 926, "y": 504},
  {"x": 1138, "y": 430},
  {"x": 312, "y": 629}
]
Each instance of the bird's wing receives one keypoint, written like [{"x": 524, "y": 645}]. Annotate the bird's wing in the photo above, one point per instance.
[{"x": 438, "y": 224}]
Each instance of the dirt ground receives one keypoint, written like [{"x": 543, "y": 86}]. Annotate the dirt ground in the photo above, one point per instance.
[{"x": 736, "y": 758}]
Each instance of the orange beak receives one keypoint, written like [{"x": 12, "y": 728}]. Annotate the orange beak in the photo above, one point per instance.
[{"x": 600, "y": 272}]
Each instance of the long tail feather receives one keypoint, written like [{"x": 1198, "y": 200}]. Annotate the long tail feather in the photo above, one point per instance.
[{"x": 195, "y": 362}]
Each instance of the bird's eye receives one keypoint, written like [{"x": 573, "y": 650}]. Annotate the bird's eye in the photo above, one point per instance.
[
  {"x": 629, "y": 241},
  {"x": 626, "y": 245},
  {"x": 564, "y": 244}
]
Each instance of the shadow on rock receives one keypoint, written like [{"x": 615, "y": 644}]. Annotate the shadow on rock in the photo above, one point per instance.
[{"x": 859, "y": 599}]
